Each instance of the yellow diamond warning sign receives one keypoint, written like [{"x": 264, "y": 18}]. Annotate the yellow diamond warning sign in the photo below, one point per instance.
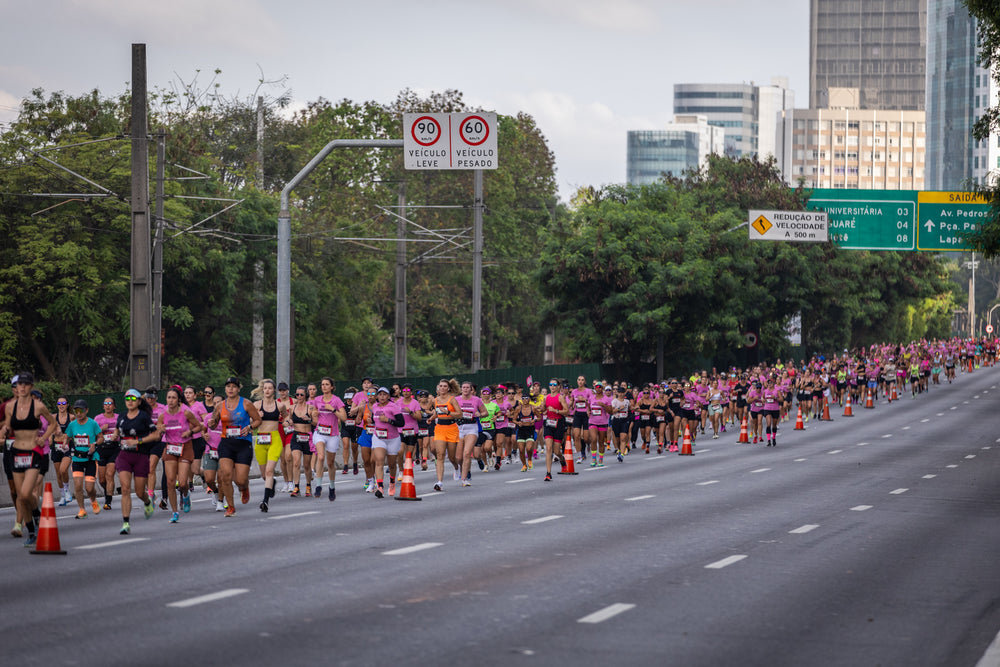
[
  {"x": 762, "y": 224},
  {"x": 788, "y": 225}
]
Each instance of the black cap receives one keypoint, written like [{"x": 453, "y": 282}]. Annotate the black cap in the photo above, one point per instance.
[
  {"x": 282, "y": 386},
  {"x": 80, "y": 404},
  {"x": 367, "y": 379},
  {"x": 233, "y": 380},
  {"x": 25, "y": 377}
]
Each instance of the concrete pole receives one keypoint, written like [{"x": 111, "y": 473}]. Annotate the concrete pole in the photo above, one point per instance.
[
  {"x": 477, "y": 268},
  {"x": 157, "y": 326},
  {"x": 399, "y": 366},
  {"x": 140, "y": 301}
]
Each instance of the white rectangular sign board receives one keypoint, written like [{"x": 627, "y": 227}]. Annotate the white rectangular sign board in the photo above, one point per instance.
[
  {"x": 788, "y": 226},
  {"x": 450, "y": 140}
]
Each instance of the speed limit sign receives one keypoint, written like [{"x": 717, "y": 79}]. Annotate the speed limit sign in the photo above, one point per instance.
[
  {"x": 750, "y": 339},
  {"x": 465, "y": 140},
  {"x": 989, "y": 328}
]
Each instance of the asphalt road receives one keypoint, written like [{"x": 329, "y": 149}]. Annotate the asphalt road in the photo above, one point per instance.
[{"x": 863, "y": 541}]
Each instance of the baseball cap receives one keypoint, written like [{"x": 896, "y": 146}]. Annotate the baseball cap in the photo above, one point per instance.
[
  {"x": 80, "y": 404},
  {"x": 381, "y": 389},
  {"x": 232, "y": 379},
  {"x": 282, "y": 386}
]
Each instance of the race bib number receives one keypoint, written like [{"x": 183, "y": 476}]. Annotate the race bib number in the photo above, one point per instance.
[
  {"x": 407, "y": 432},
  {"x": 81, "y": 441},
  {"x": 22, "y": 461},
  {"x": 61, "y": 447},
  {"x": 303, "y": 438},
  {"x": 324, "y": 430},
  {"x": 659, "y": 419},
  {"x": 466, "y": 414},
  {"x": 551, "y": 422},
  {"x": 264, "y": 439},
  {"x": 442, "y": 411},
  {"x": 213, "y": 454},
  {"x": 370, "y": 430},
  {"x": 597, "y": 412},
  {"x": 130, "y": 444},
  {"x": 111, "y": 436},
  {"x": 350, "y": 422},
  {"x": 644, "y": 418},
  {"x": 621, "y": 415},
  {"x": 175, "y": 450},
  {"x": 381, "y": 433},
  {"x": 423, "y": 432},
  {"x": 234, "y": 432},
  {"x": 581, "y": 405}
]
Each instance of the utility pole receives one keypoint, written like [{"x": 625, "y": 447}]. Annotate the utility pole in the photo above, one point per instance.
[
  {"x": 972, "y": 294},
  {"x": 477, "y": 267},
  {"x": 140, "y": 303},
  {"x": 156, "y": 330},
  {"x": 399, "y": 367},
  {"x": 257, "y": 335}
]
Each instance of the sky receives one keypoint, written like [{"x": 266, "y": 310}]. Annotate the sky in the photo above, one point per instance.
[{"x": 588, "y": 71}]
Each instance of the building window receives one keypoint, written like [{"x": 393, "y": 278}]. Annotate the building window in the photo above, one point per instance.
[
  {"x": 852, "y": 155},
  {"x": 890, "y": 172},
  {"x": 907, "y": 156},
  {"x": 908, "y": 128},
  {"x": 894, "y": 127},
  {"x": 840, "y": 125},
  {"x": 907, "y": 141},
  {"x": 866, "y": 126},
  {"x": 880, "y": 126},
  {"x": 800, "y": 124}
]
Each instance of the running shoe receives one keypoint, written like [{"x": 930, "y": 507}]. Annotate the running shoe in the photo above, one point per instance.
[
  {"x": 659, "y": 449},
  {"x": 368, "y": 483},
  {"x": 531, "y": 465},
  {"x": 230, "y": 511},
  {"x": 263, "y": 507},
  {"x": 600, "y": 463},
  {"x": 620, "y": 457},
  {"x": 186, "y": 503},
  {"x": 482, "y": 466},
  {"x": 163, "y": 504},
  {"x": 318, "y": 491},
  {"x": 548, "y": 477},
  {"x": 82, "y": 514},
  {"x": 497, "y": 465},
  {"x": 593, "y": 463},
  {"x": 466, "y": 482},
  {"x": 392, "y": 488},
  {"x": 438, "y": 486},
  {"x": 147, "y": 509},
  {"x": 30, "y": 540},
  {"x": 457, "y": 475},
  {"x": 107, "y": 506},
  {"x": 524, "y": 468},
  {"x": 333, "y": 494},
  {"x": 219, "y": 506},
  {"x": 295, "y": 491},
  {"x": 63, "y": 501},
  {"x": 94, "y": 506},
  {"x": 245, "y": 495},
  {"x": 378, "y": 491},
  {"x": 715, "y": 437},
  {"x": 308, "y": 494},
  {"x": 345, "y": 469},
  {"x": 175, "y": 517},
  {"x": 423, "y": 464},
  {"x": 355, "y": 467},
  {"x": 17, "y": 530},
  {"x": 126, "y": 529}
]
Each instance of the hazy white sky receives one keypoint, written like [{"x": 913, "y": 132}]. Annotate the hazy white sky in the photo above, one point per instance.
[{"x": 587, "y": 70}]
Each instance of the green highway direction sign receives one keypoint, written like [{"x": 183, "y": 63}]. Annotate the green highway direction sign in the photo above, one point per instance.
[{"x": 899, "y": 219}]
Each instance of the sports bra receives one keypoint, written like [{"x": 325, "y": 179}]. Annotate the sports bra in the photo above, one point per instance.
[
  {"x": 301, "y": 420},
  {"x": 270, "y": 415},
  {"x": 29, "y": 423}
]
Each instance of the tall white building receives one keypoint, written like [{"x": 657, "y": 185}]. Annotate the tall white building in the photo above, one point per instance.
[{"x": 684, "y": 144}]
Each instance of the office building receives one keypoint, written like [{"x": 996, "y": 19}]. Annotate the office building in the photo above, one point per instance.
[
  {"x": 684, "y": 144},
  {"x": 865, "y": 149},
  {"x": 958, "y": 92},
  {"x": 877, "y": 47}
]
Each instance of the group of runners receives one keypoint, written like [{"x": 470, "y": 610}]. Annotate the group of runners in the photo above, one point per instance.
[{"x": 197, "y": 439}]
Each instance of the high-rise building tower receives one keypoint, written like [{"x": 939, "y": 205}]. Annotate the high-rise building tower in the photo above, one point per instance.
[
  {"x": 877, "y": 47},
  {"x": 958, "y": 91}
]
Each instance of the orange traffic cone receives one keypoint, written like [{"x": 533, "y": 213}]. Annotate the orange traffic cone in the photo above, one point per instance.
[
  {"x": 48, "y": 533},
  {"x": 826, "y": 411},
  {"x": 744, "y": 436},
  {"x": 848, "y": 412},
  {"x": 970, "y": 364},
  {"x": 407, "y": 489},
  {"x": 686, "y": 444},
  {"x": 799, "y": 424},
  {"x": 869, "y": 402},
  {"x": 568, "y": 468},
  {"x": 895, "y": 397}
]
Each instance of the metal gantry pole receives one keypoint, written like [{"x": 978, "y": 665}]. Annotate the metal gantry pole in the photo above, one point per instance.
[{"x": 477, "y": 267}]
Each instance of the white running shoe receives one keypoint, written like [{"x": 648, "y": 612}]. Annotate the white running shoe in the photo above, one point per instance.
[{"x": 458, "y": 475}]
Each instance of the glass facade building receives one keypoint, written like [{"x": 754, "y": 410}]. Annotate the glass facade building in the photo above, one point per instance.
[
  {"x": 651, "y": 153},
  {"x": 877, "y": 47},
  {"x": 732, "y": 107},
  {"x": 958, "y": 92}
]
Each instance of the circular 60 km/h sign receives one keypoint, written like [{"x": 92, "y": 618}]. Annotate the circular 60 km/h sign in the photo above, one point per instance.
[
  {"x": 750, "y": 339},
  {"x": 425, "y": 130},
  {"x": 474, "y": 130}
]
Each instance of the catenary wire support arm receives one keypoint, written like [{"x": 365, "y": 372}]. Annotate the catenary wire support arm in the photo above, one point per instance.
[{"x": 283, "y": 338}]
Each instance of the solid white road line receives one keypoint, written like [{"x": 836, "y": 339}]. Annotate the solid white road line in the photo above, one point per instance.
[
  {"x": 290, "y": 516},
  {"x": 711, "y": 481},
  {"x": 804, "y": 529},
  {"x": 211, "y": 597},
  {"x": 835, "y": 451},
  {"x": 518, "y": 481},
  {"x": 409, "y": 550},
  {"x": 638, "y": 498},
  {"x": 861, "y": 508},
  {"x": 113, "y": 544},
  {"x": 606, "y": 613},
  {"x": 759, "y": 470},
  {"x": 551, "y": 517},
  {"x": 725, "y": 562}
]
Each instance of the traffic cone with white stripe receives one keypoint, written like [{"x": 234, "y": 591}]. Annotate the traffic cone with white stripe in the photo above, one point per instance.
[
  {"x": 848, "y": 412},
  {"x": 48, "y": 533},
  {"x": 799, "y": 424},
  {"x": 826, "y": 410},
  {"x": 869, "y": 402},
  {"x": 568, "y": 468},
  {"x": 895, "y": 397},
  {"x": 407, "y": 489},
  {"x": 744, "y": 436},
  {"x": 686, "y": 445}
]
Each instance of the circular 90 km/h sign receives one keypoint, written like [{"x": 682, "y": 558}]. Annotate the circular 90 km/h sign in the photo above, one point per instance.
[
  {"x": 425, "y": 130},
  {"x": 750, "y": 339},
  {"x": 474, "y": 130}
]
